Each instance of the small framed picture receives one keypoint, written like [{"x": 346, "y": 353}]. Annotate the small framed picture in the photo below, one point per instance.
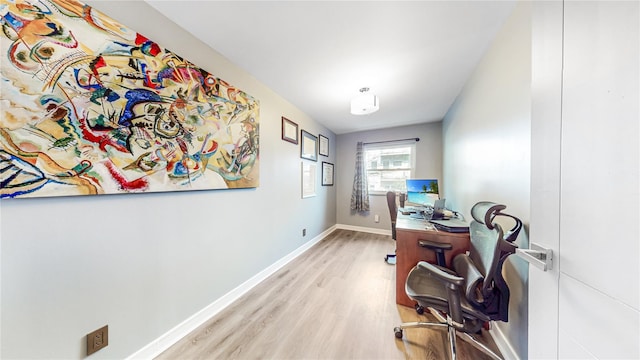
[
  {"x": 289, "y": 131},
  {"x": 308, "y": 146},
  {"x": 324, "y": 145},
  {"x": 327, "y": 174},
  {"x": 308, "y": 179}
]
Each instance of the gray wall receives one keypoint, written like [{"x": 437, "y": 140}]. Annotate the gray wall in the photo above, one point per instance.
[
  {"x": 144, "y": 263},
  {"x": 486, "y": 136},
  {"x": 428, "y": 165}
]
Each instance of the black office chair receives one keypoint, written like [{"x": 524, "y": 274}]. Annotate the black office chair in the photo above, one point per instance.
[
  {"x": 393, "y": 212},
  {"x": 475, "y": 292},
  {"x": 438, "y": 248}
]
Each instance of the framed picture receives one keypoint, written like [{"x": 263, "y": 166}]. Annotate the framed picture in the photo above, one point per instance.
[
  {"x": 327, "y": 174},
  {"x": 308, "y": 179},
  {"x": 324, "y": 145},
  {"x": 308, "y": 146},
  {"x": 289, "y": 131},
  {"x": 123, "y": 114}
]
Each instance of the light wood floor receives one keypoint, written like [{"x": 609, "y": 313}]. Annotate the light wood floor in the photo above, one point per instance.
[{"x": 336, "y": 301}]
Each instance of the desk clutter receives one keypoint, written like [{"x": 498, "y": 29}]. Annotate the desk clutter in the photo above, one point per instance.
[
  {"x": 411, "y": 210},
  {"x": 441, "y": 219}
]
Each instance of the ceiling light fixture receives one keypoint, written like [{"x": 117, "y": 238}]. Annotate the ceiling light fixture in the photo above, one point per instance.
[{"x": 364, "y": 103}]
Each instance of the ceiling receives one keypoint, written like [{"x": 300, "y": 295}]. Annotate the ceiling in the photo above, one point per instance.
[{"x": 415, "y": 56}]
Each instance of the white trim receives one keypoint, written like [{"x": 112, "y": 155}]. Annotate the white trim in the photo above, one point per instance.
[
  {"x": 183, "y": 329},
  {"x": 503, "y": 344},
  {"x": 363, "y": 229}
]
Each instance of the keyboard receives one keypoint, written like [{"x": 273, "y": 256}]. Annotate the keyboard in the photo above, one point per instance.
[{"x": 452, "y": 225}]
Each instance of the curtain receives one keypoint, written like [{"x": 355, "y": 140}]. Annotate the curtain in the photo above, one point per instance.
[{"x": 360, "y": 193}]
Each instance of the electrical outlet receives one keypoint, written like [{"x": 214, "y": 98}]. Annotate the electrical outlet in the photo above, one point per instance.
[
  {"x": 97, "y": 340},
  {"x": 304, "y": 232}
]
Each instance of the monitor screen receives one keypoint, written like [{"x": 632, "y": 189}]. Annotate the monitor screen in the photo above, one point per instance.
[{"x": 422, "y": 192}]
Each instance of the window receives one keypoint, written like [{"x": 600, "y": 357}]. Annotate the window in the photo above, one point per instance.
[{"x": 388, "y": 166}]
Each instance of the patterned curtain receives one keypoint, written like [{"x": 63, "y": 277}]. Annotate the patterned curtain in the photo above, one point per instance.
[{"x": 360, "y": 194}]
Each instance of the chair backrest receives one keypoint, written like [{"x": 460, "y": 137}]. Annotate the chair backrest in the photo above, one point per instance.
[
  {"x": 393, "y": 211},
  {"x": 485, "y": 287}
]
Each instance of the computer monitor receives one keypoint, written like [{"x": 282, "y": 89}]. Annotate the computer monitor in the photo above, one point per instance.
[{"x": 422, "y": 192}]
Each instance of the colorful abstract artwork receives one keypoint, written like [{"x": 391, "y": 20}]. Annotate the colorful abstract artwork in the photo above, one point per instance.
[{"x": 89, "y": 106}]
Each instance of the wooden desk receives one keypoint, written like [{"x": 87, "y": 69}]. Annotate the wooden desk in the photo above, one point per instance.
[{"x": 408, "y": 232}]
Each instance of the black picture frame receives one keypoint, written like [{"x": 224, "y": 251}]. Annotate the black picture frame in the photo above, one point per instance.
[
  {"x": 323, "y": 145},
  {"x": 327, "y": 174},
  {"x": 308, "y": 146}
]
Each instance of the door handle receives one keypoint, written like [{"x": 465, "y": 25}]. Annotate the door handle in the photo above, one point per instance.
[{"x": 538, "y": 256}]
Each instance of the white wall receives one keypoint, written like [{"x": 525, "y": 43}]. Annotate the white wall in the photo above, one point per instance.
[
  {"x": 144, "y": 263},
  {"x": 486, "y": 136},
  {"x": 428, "y": 165}
]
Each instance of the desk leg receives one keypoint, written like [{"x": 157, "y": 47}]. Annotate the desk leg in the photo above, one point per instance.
[{"x": 406, "y": 259}]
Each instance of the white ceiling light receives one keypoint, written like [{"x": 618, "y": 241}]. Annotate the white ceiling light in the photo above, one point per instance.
[{"x": 364, "y": 103}]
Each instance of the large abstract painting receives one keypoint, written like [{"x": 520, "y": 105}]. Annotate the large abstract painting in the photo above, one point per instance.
[{"x": 89, "y": 106}]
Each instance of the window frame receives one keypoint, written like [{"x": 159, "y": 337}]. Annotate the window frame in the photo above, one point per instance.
[{"x": 394, "y": 145}]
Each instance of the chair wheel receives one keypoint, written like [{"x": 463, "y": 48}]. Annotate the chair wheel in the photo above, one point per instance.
[
  {"x": 398, "y": 332},
  {"x": 419, "y": 309}
]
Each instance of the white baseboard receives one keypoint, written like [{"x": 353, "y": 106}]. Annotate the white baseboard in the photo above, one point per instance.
[
  {"x": 183, "y": 329},
  {"x": 364, "y": 229},
  {"x": 503, "y": 344}
]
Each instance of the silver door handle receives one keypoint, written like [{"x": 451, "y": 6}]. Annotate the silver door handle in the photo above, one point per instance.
[{"x": 538, "y": 256}]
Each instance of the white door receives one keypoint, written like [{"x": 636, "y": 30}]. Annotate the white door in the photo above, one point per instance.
[
  {"x": 546, "y": 121},
  {"x": 585, "y": 191}
]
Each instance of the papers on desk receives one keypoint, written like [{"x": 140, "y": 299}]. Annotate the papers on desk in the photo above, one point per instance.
[{"x": 430, "y": 226}]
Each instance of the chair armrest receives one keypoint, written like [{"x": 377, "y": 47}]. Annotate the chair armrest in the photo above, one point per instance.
[
  {"x": 438, "y": 248},
  {"x": 441, "y": 275}
]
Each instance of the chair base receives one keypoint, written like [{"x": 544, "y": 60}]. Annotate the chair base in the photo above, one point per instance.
[{"x": 448, "y": 324}]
